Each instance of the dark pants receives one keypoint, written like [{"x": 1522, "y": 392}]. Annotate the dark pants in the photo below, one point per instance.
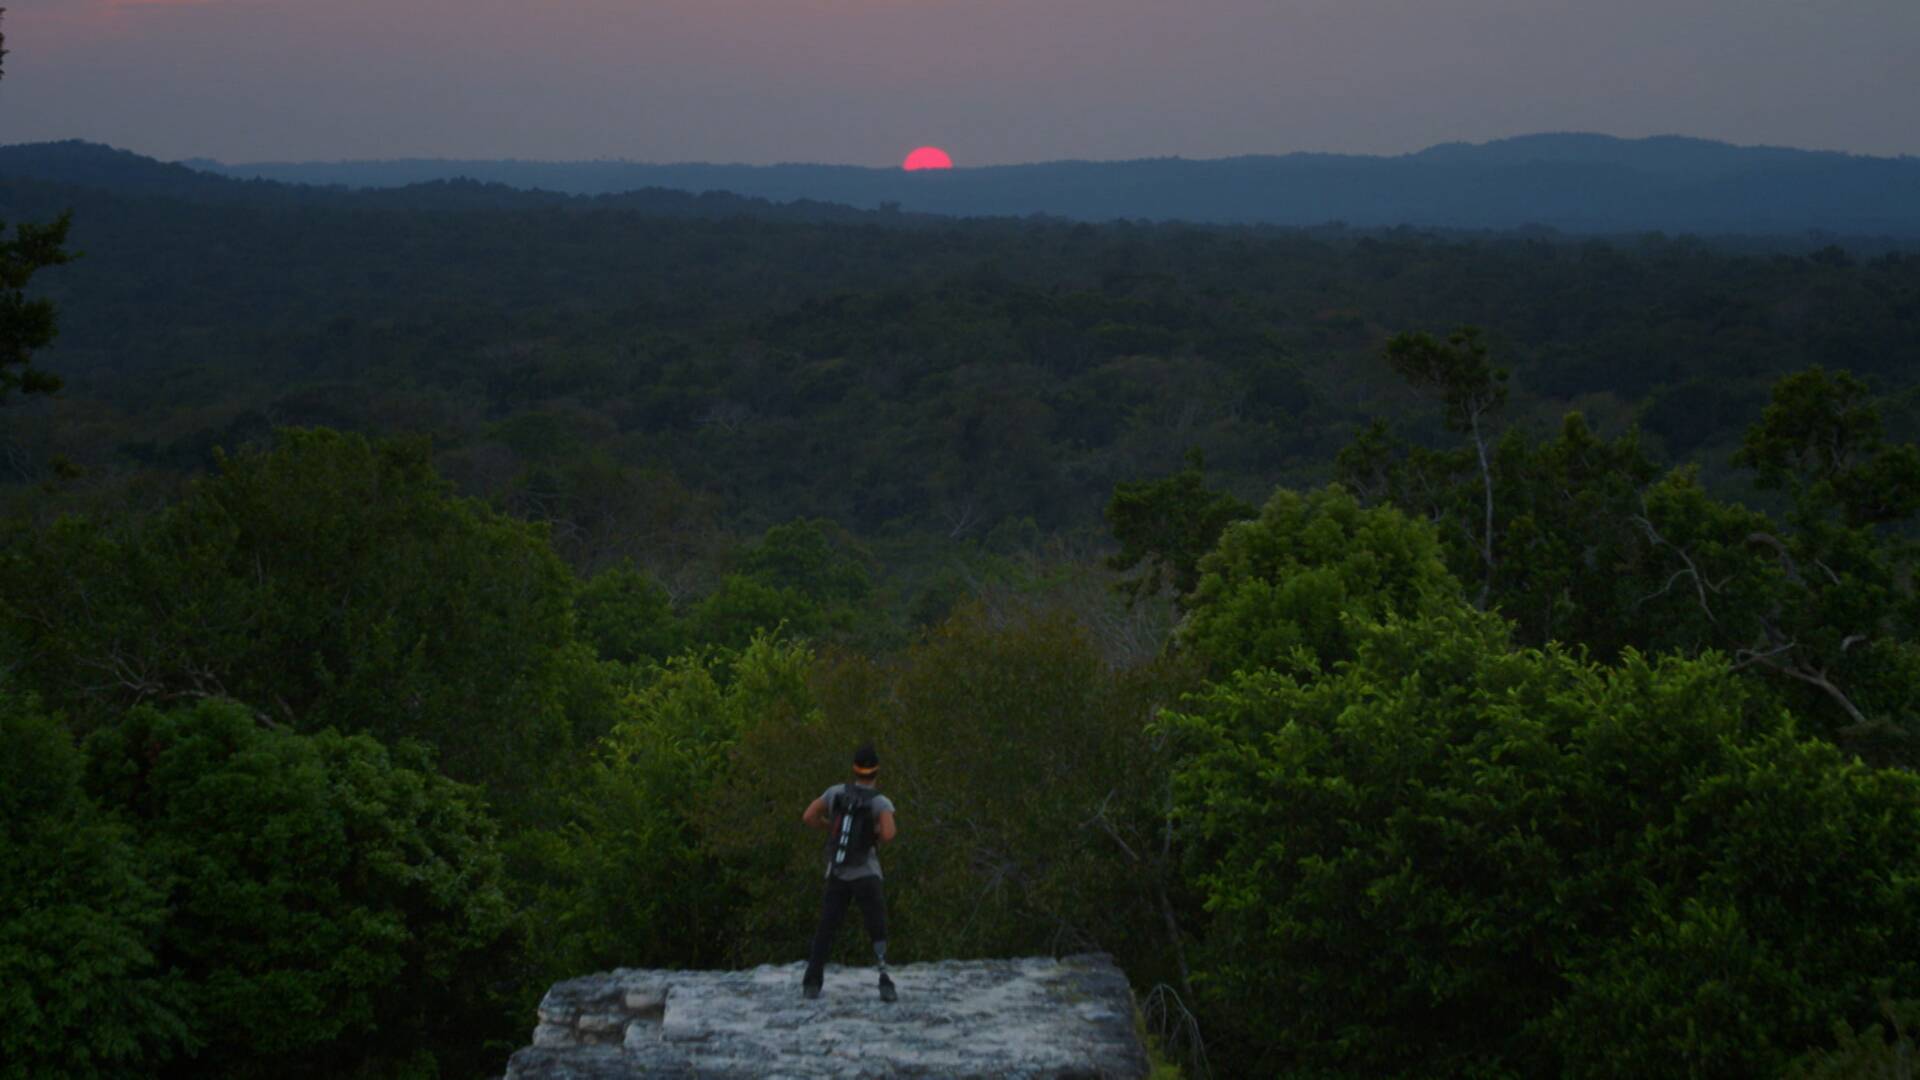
[{"x": 873, "y": 909}]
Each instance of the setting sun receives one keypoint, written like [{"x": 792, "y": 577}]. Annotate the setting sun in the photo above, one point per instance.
[{"x": 927, "y": 157}]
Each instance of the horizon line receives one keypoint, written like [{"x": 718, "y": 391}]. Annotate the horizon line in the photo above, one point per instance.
[{"x": 960, "y": 167}]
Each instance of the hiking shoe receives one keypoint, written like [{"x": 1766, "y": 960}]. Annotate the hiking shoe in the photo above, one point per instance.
[
  {"x": 810, "y": 990},
  {"x": 886, "y": 989}
]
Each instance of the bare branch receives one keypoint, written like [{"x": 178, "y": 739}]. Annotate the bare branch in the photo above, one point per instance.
[
  {"x": 1662, "y": 591},
  {"x": 1780, "y": 549},
  {"x": 960, "y": 518},
  {"x": 1751, "y": 656},
  {"x": 1805, "y": 673},
  {"x": 1179, "y": 1034},
  {"x": 1700, "y": 584},
  {"x": 1818, "y": 677},
  {"x": 1100, "y": 818}
]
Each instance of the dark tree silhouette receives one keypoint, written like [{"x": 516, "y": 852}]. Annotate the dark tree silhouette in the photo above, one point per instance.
[{"x": 26, "y": 325}]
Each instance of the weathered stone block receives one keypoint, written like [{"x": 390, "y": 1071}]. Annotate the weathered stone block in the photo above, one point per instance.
[{"x": 1028, "y": 1018}]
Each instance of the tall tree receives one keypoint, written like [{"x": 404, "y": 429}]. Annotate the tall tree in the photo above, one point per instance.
[
  {"x": 26, "y": 325},
  {"x": 1458, "y": 372},
  {"x": 1821, "y": 440}
]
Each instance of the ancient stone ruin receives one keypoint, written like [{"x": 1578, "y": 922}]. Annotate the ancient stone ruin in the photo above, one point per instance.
[{"x": 1032, "y": 1018}]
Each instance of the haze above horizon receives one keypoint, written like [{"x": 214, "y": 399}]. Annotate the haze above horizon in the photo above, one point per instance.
[{"x": 993, "y": 81}]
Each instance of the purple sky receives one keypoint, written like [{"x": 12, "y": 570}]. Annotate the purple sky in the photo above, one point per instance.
[{"x": 992, "y": 81}]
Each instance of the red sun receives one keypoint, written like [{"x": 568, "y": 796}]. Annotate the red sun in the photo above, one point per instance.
[{"x": 927, "y": 157}]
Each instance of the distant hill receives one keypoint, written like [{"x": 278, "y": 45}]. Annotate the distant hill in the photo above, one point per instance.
[
  {"x": 1572, "y": 182},
  {"x": 59, "y": 168}
]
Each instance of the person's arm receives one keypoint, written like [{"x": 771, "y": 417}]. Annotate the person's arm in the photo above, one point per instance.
[
  {"x": 883, "y": 826},
  {"x": 816, "y": 815}
]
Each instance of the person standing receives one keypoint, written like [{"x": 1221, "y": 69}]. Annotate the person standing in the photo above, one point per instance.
[{"x": 857, "y": 819}]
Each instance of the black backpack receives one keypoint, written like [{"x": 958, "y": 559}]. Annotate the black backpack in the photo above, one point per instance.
[{"x": 852, "y": 835}]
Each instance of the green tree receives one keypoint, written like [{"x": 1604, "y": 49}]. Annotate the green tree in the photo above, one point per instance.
[
  {"x": 1872, "y": 1054},
  {"x": 1821, "y": 439},
  {"x": 627, "y": 616},
  {"x": 1280, "y": 583},
  {"x": 81, "y": 912},
  {"x": 334, "y": 908},
  {"x": 1572, "y": 560},
  {"x": 635, "y": 877},
  {"x": 1459, "y": 373},
  {"x": 329, "y": 582},
  {"x": 742, "y": 607},
  {"x": 816, "y": 557},
  {"x": 1445, "y": 857},
  {"x": 1838, "y": 630},
  {"x": 808, "y": 575},
  {"x": 28, "y": 325},
  {"x": 1032, "y": 803},
  {"x": 1166, "y": 526},
  {"x": 1592, "y": 551}
]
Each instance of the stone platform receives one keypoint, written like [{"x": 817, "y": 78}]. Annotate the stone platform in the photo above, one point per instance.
[{"x": 1029, "y": 1018}]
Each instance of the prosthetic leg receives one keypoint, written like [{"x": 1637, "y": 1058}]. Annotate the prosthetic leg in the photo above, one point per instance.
[{"x": 867, "y": 893}]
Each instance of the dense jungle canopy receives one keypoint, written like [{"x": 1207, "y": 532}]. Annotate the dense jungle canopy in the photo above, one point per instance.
[{"x": 1409, "y": 653}]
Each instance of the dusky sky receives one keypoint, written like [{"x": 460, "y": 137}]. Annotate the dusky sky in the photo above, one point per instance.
[{"x": 992, "y": 81}]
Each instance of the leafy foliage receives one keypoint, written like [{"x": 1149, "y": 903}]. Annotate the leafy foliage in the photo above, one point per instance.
[
  {"x": 739, "y": 520},
  {"x": 27, "y": 325},
  {"x": 1167, "y": 526},
  {"x": 331, "y": 907},
  {"x": 1589, "y": 549},
  {"x": 1872, "y": 1054},
  {"x": 329, "y": 582},
  {"x": 1281, "y": 582},
  {"x": 668, "y": 378},
  {"x": 1031, "y": 803},
  {"x": 1447, "y": 857},
  {"x": 1570, "y": 562},
  {"x": 809, "y": 576},
  {"x": 627, "y": 616},
  {"x": 1820, "y": 437},
  {"x": 632, "y": 878},
  {"x": 81, "y": 910}
]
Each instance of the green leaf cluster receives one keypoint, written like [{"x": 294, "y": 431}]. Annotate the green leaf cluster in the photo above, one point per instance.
[
  {"x": 331, "y": 907},
  {"x": 627, "y": 616},
  {"x": 1448, "y": 857},
  {"x": 1591, "y": 545},
  {"x": 83, "y": 989},
  {"x": 808, "y": 575},
  {"x": 28, "y": 325},
  {"x": 633, "y": 877},
  {"x": 1166, "y": 526},
  {"x": 1032, "y": 804},
  {"x": 327, "y": 582},
  {"x": 1282, "y": 582}
]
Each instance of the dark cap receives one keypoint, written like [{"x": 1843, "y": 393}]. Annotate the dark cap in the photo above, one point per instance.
[{"x": 866, "y": 762}]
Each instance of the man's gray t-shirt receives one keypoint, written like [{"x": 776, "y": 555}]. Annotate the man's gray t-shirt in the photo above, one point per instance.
[{"x": 871, "y": 868}]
